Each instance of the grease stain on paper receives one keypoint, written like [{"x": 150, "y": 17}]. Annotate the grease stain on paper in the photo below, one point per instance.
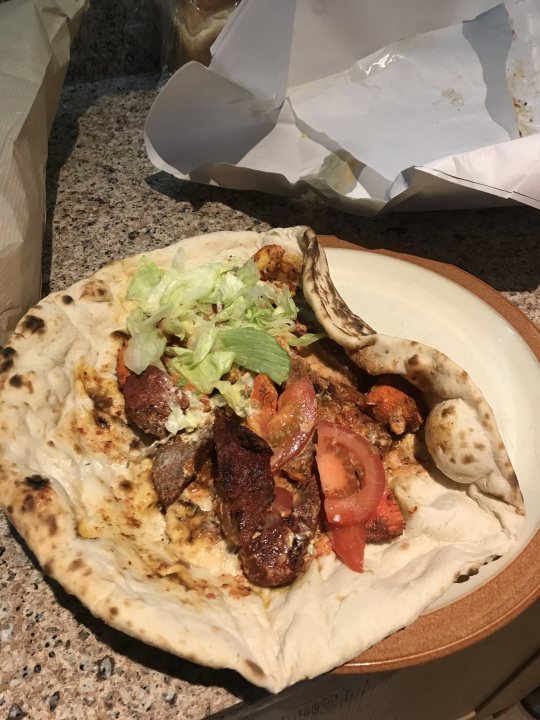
[{"x": 453, "y": 97}]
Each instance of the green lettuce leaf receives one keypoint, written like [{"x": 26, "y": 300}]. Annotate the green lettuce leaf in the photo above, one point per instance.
[
  {"x": 205, "y": 374},
  {"x": 147, "y": 276},
  {"x": 257, "y": 351},
  {"x": 306, "y": 339},
  {"x": 147, "y": 343}
]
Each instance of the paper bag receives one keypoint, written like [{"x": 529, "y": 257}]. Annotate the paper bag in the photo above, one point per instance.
[{"x": 35, "y": 40}]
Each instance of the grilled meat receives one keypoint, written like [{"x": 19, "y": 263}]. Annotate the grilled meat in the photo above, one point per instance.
[
  {"x": 177, "y": 463},
  {"x": 391, "y": 403},
  {"x": 244, "y": 484},
  {"x": 148, "y": 398},
  {"x": 275, "y": 555},
  {"x": 307, "y": 503},
  {"x": 279, "y": 266},
  {"x": 341, "y": 405},
  {"x": 325, "y": 362},
  {"x": 338, "y": 398},
  {"x": 272, "y": 547},
  {"x": 300, "y": 467},
  {"x": 387, "y": 522}
]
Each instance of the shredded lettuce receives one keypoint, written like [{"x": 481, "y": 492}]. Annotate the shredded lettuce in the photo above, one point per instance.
[
  {"x": 147, "y": 343},
  {"x": 202, "y": 341},
  {"x": 236, "y": 395},
  {"x": 306, "y": 339},
  {"x": 221, "y": 314},
  {"x": 146, "y": 277},
  {"x": 189, "y": 419},
  {"x": 248, "y": 273},
  {"x": 205, "y": 374}
]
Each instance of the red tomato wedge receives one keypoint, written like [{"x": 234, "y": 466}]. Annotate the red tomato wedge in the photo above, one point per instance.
[
  {"x": 291, "y": 427},
  {"x": 352, "y": 475},
  {"x": 353, "y": 483},
  {"x": 294, "y": 422},
  {"x": 349, "y": 543},
  {"x": 286, "y": 423}
]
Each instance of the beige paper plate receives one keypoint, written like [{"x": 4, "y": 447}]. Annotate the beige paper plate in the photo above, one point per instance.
[{"x": 501, "y": 598}]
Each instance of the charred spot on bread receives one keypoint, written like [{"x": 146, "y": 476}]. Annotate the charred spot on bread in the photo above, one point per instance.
[
  {"x": 120, "y": 335},
  {"x": 421, "y": 379},
  {"x": 36, "y": 482},
  {"x": 7, "y": 353},
  {"x": 6, "y": 365},
  {"x": 77, "y": 564},
  {"x": 101, "y": 421},
  {"x": 100, "y": 402},
  {"x": 51, "y": 524},
  {"x": 255, "y": 669},
  {"x": 18, "y": 381},
  {"x": 33, "y": 324},
  {"x": 96, "y": 290},
  {"x": 463, "y": 577},
  {"x": 28, "y": 504}
]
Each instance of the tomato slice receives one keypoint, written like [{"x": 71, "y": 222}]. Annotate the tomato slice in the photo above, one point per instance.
[
  {"x": 294, "y": 422},
  {"x": 285, "y": 423},
  {"x": 351, "y": 473},
  {"x": 349, "y": 544}
]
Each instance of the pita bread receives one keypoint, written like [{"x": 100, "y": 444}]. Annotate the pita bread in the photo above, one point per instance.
[{"x": 75, "y": 481}]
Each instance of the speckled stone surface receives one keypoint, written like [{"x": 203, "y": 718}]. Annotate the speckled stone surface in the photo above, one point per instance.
[
  {"x": 105, "y": 201},
  {"x": 114, "y": 39}
]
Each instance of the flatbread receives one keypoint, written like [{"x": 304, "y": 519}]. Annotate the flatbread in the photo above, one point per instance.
[{"x": 75, "y": 481}]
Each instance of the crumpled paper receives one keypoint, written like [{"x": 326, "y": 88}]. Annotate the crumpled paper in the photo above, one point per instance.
[
  {"x": 372, "y": 106},
  {"x": 35, "y": 40}
]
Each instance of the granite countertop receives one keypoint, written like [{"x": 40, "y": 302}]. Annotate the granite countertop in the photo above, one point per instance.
[{"x": 105, "y": 201}]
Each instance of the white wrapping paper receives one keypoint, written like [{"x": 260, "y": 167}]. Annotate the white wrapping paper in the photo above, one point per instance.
[{"x": 373, "y": 105}]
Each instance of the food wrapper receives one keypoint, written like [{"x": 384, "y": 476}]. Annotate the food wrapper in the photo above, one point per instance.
[
  {"x": 35, "y": 40},
  {"x": 372, "y": 106},
  {"x": 188, "y": 29}
]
